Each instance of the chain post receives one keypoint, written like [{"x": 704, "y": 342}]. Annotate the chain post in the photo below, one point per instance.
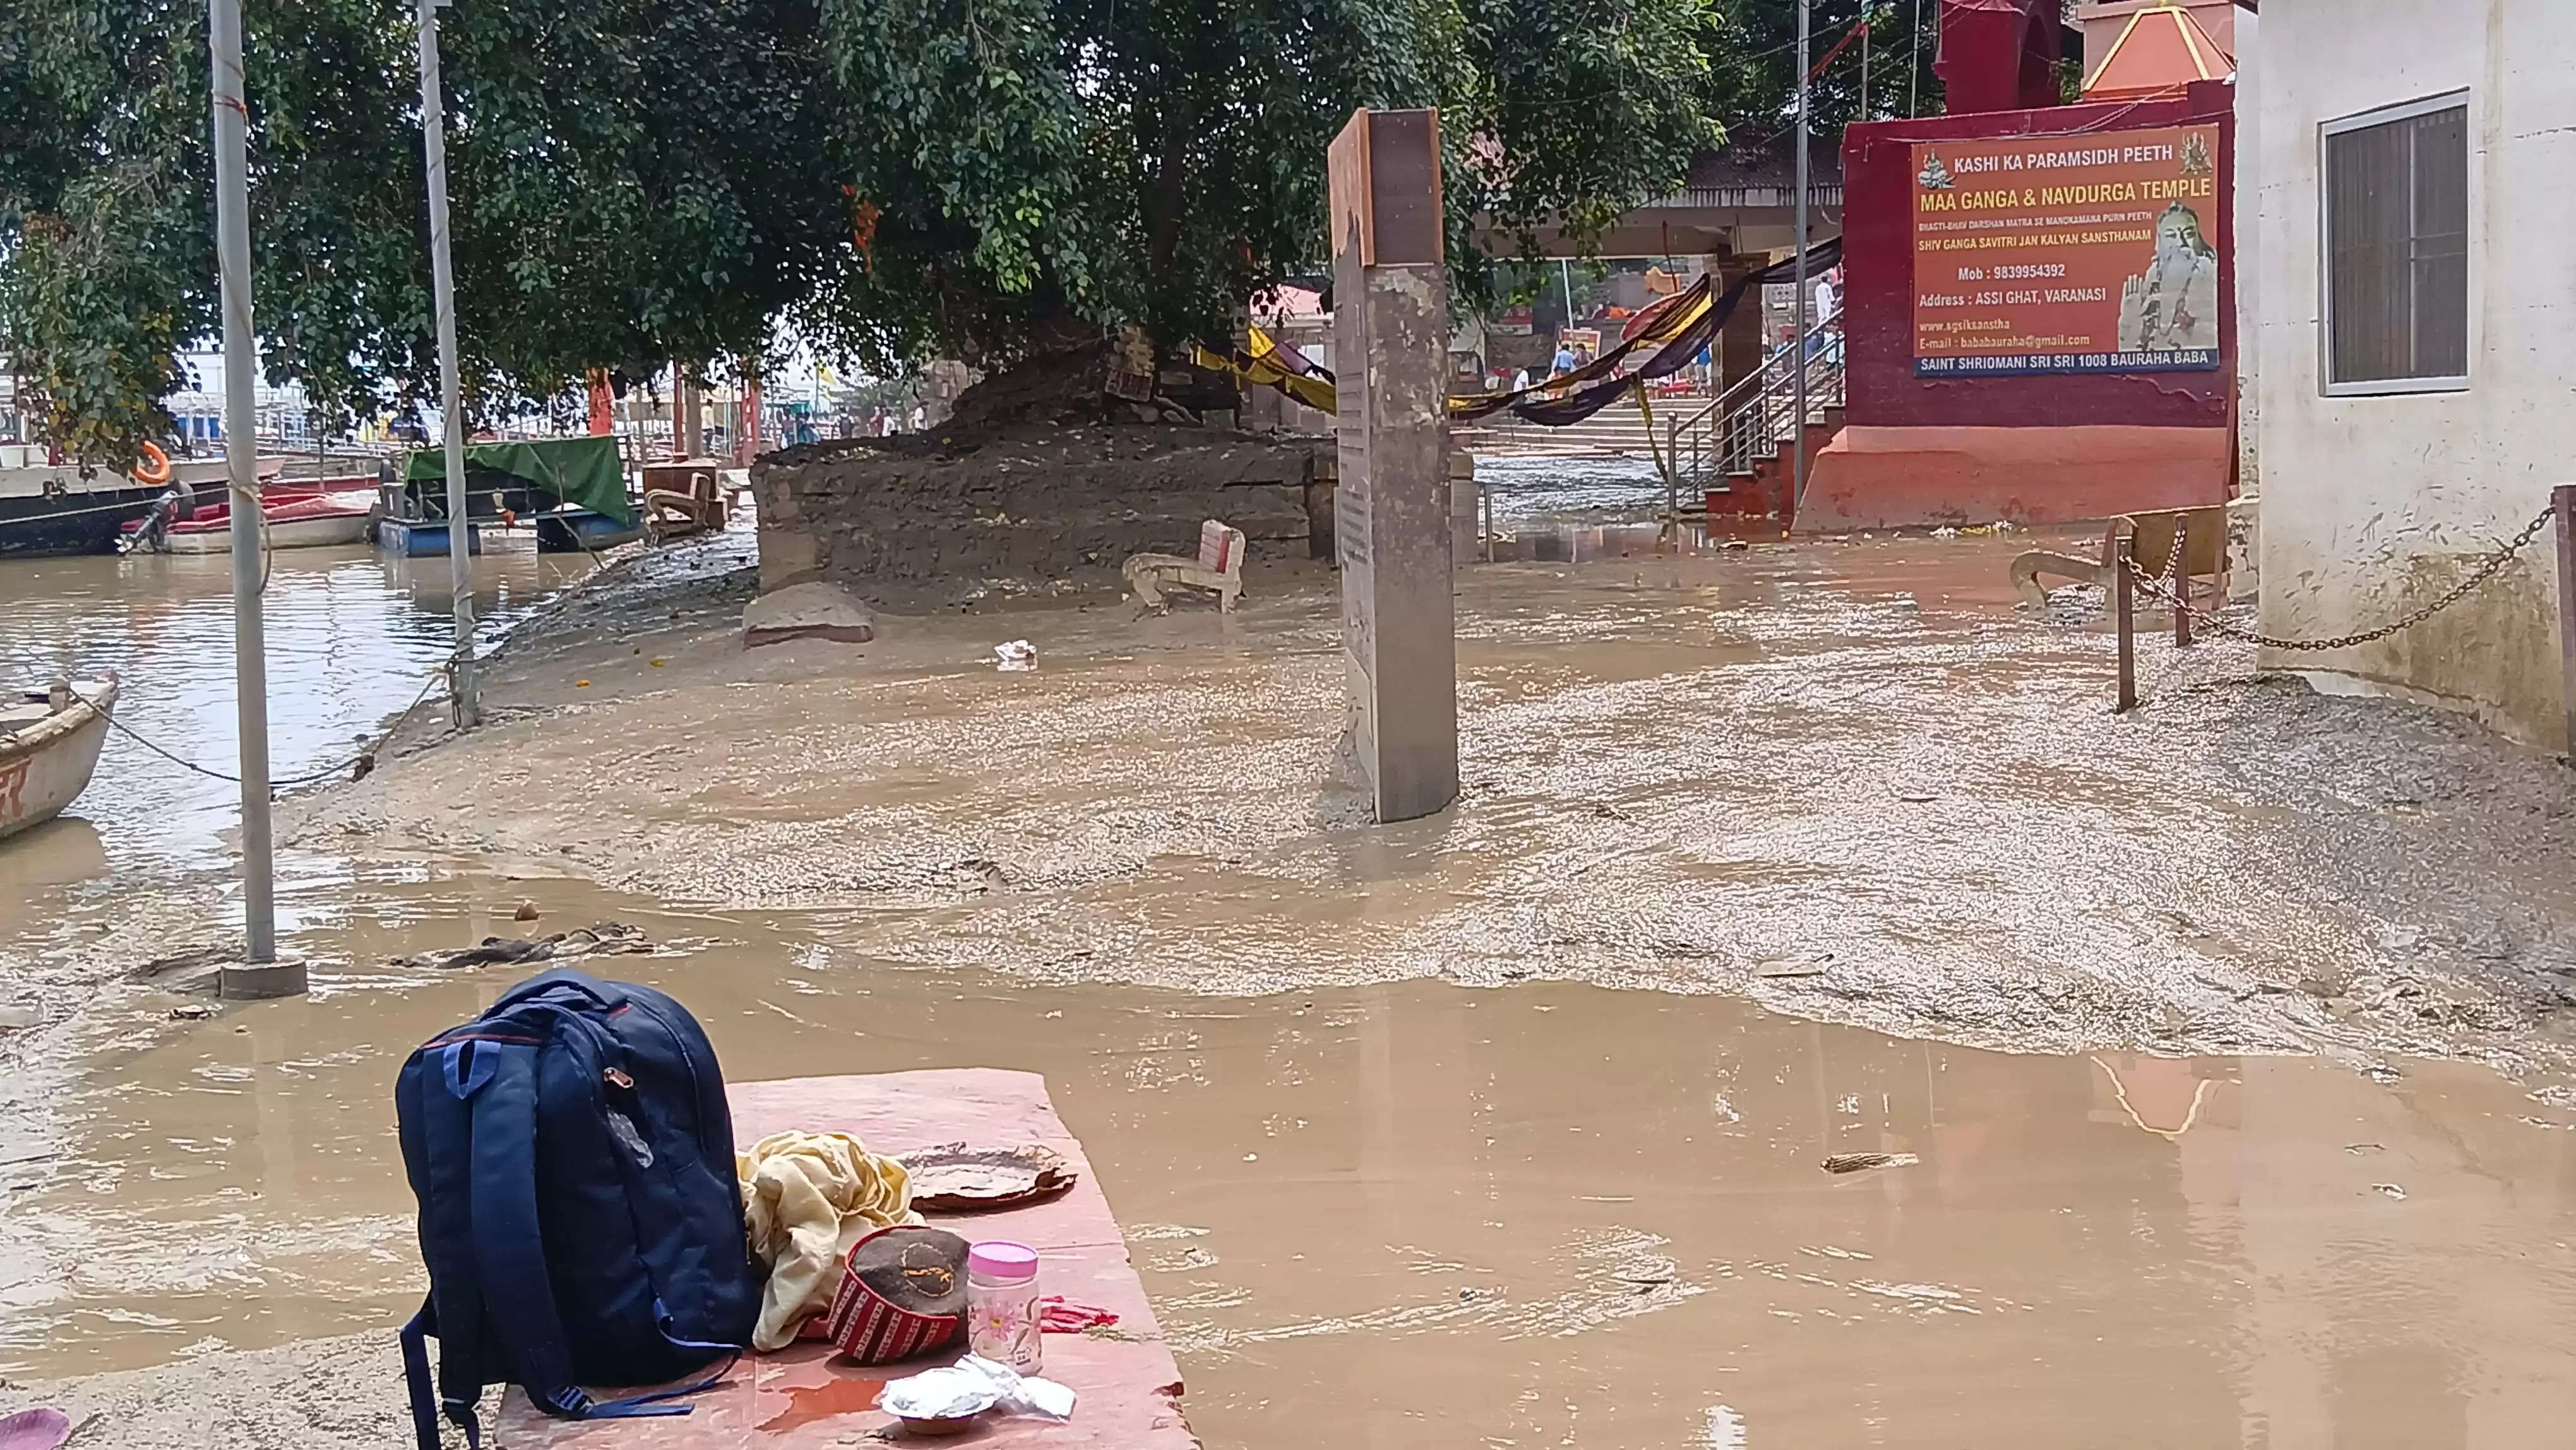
[
  {"x": 2180, "y": 573},
  {"x": 2124, "y": 563},
  {"x": 2562, "y": 502},
  {"x": 2128, "y": 570}
]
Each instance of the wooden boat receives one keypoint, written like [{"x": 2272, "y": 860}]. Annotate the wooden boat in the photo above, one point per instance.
[
  {"x": 49, "y": 744},
  {"x": 573, "y": 490},
  {"x": 297, "y": 518}
]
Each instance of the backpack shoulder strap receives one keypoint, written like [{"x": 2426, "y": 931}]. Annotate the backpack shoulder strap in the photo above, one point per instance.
[
  {"x": 448, "y": 1075},
  {"x": 508, "y": 1248}
]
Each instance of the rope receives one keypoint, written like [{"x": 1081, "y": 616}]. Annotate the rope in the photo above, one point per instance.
[
  {"x": 362, "y": 762},
  {"x": 267, "y": 550},
  {"x": 105, "y": 508}
]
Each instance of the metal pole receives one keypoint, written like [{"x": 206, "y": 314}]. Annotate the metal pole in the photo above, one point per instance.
[
  {"x": 2123, "y": 620},
  {"x": 1914, "y": 62},
  {"x": 442, "y": 274},
  {"x": 2563, "y": 500},
  {"x": 1798, "y": 430},
  {"x": 1565, "y": 275},
  {"x": 1863, "y": 109},
  {"x": 241, "y": 458}
]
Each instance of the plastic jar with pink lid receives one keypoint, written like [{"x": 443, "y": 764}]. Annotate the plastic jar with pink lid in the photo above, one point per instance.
[{"x": 1002, "y": 1304}]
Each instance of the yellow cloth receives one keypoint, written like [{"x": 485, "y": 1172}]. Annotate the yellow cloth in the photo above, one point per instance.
[{"x": 806, "y": 1198}]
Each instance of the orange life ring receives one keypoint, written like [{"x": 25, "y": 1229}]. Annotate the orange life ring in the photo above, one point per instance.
[{"x": 159, "y": 472}]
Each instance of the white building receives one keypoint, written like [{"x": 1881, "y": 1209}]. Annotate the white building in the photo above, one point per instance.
[{"x": 2417, "y": 339}]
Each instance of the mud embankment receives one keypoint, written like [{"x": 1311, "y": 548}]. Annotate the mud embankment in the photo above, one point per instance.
[{"x": 906, "y": 521}]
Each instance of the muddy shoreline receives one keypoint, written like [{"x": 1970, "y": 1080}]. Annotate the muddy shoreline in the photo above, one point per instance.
[
  {"x": 2242, "y": 865},
  {"x": 1724, "y": 815}
]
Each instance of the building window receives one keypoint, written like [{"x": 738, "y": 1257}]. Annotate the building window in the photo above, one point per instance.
[{"x": 2397, "y": 249}]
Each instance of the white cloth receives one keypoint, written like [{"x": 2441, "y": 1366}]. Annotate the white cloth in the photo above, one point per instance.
[{"x": 806, "y": 1198}]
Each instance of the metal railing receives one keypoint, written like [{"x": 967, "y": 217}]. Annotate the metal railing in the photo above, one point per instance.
[{"x": 1751, "y": 420}]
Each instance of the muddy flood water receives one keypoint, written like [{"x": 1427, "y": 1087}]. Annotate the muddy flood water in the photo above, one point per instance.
[
  {"x": 351, "y": 638},
  {"x": 1505, "y": 1130}
]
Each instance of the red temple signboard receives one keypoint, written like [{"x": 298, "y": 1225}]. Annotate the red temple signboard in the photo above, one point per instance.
[{"x": 2068, "y": 254}]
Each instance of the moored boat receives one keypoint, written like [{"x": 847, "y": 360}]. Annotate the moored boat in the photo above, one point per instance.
[
  {"x": 53, "y": 509},
  {"x": 295, "y": 519},
  {"x": 49, "y": 744}
]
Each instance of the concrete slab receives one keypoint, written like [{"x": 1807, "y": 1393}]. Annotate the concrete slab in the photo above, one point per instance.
[
  {"x": 807, "y": 1397},
  {"x": 812, "y": 610}
]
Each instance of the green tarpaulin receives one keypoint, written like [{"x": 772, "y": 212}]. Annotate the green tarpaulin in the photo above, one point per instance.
[{"x": 584, "y": 471}]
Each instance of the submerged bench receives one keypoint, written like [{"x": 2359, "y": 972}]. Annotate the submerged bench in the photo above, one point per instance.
[
  {"x": 2202, "y": 533},
  {"x": 1218, "y": 567}
]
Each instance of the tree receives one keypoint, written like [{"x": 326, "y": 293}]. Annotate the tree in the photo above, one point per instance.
[
  {"x": 1038, "y": 168},
  {"x": 1760, "y": 65},
  {"x": 640, "y": 182},
  {"x": 632, "y": 183}
]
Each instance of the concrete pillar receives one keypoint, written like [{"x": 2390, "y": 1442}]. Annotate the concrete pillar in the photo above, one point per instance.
[
  {"x": 1392, "y": 525},
  {"x": 1466, "y": 513},
  {"x": 1740, "y": 343},
  {"x": 1739, "y": 348},
  {"x": 687, "y": 439},
  {"x": 746, "y": 431}
]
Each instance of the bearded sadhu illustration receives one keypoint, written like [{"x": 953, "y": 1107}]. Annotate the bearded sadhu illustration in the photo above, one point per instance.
[{"x": 2173, "y": 305}]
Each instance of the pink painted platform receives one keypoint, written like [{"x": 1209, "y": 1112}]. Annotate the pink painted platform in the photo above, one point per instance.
[{"x": 806, "y": 1397}]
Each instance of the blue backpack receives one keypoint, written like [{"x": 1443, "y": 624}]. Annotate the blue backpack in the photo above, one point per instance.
[{"x": 573, "y": 1157}]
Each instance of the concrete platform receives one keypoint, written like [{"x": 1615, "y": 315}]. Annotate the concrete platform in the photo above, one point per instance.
[
  {"x": 812, "y": 610},
  {"x": 806, "y": 1397}
]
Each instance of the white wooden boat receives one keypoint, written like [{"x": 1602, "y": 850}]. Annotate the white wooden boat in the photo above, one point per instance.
[
  {"x": 324, "y": 521},
  {"x": 296, "y": 520},
  {"x": 49, "y": 744}
]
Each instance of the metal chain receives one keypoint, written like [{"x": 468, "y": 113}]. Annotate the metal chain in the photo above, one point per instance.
[
  {"x": 2173, "y": 564},
  {"x": 2486, "y": 570}
]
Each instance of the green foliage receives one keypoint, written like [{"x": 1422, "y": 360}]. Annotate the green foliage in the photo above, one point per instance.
[
  {"x": 97, "y": 227},
  {"x": 1760, "y": 66},
  {"x": 638, "y": 182},
  {"x": 1594, "y": 105},
  {"x": 631, "y": 183},
  {"x": 1053, "y": 167}
]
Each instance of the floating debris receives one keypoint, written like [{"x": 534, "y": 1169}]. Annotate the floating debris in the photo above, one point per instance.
[
  {"x": 609, "y": 938},
  {"x": 1862, "y": 1162}
]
